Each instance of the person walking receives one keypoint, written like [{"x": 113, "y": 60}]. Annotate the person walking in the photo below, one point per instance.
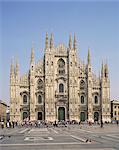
[
  {"x": 13, "y": 123},
  {"x": 117, "y": 122},
  {"x": 101, "y": 123},
  {"x": 2, "y": 124}
]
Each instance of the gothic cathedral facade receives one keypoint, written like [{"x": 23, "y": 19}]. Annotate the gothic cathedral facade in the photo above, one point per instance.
[{"x": 61, "y": 87}]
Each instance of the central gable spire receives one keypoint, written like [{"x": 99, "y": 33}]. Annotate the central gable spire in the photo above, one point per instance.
[{"x": 88, "y": 58}]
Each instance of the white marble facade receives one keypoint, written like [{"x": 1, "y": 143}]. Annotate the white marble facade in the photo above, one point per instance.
[{"x": 59, "y": 87}]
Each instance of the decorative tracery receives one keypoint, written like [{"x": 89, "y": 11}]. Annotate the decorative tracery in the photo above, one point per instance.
[
  {"x": 40, "y": 84},
  {"x": 39, "y": 99},
  {"x": 82, "y": 85}
]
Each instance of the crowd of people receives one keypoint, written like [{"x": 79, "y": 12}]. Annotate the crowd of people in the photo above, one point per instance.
[
  {"x": 27, "y": 123},
  {"x": 62, "y": 123},
  {"x": 8, "y": 124}
]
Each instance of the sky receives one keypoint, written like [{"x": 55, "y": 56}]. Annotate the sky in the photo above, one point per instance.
[{"x": 23, "y": 24}]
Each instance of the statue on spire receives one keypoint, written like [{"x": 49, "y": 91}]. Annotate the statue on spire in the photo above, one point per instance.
[
  {"x": 17, "y": 71},
  {"x": 51, "y": 41},
  {"x": 89, "y": 61},
  {"x": 32, "y": 54},
  {"x": 17, "y": 67},
  {"x": 12, "y": 68},
  {"x": 102, "y": 70},
  {"x": 12, "y": 72},
  {"x": 106, "y": 70}
]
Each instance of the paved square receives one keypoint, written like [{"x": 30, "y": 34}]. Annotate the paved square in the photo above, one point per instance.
[{"x": 73, "y": 137}]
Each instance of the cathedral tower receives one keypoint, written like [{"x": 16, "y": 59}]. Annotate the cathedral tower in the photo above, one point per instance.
[
  {"x": 89, "y": 88},
  {"x": 32, "y": 86},
  {"x": 60, "y": 87},
  {"x": 73, "y": 78},
  {"x": 17, "y": 91},
  {"x": 105, "y": 93},
  {"x": 50, "y": 113},
  {"x": 12, "y": 91}
]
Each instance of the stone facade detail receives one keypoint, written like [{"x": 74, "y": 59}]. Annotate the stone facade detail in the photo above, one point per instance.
[{"x": 60, "y": 87}]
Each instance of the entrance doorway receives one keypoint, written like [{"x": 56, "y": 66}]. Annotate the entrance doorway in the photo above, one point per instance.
[
  {"x": 96, "y": 116},
  {"x": 40, "y": 116},
  {"x": 25, "y": 115},
  {"x": 61, "y": 113},
  {"x": 82, "y": 116}
]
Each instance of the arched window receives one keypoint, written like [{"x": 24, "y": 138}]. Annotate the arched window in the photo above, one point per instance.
[
  {"x": 96, "y": 99},
  {"x": 61, "y": 66},
  {"x": 61, "y": 63},
  {"x": 82, "y": 99},
  {"x": 82, "y": 85},
  {"x": 40, "y": 84},
  {"x": 39, "y": 99},
  {"x": 24, "y": 99},
  {"x": 61, "y": 88}
]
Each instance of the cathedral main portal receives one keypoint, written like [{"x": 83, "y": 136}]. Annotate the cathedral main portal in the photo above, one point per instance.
[{"x": 61, "y": 113}]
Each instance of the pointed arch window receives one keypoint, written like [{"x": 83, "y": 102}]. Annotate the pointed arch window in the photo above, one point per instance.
[
  {"x": 82, "y": 99},
  {"x": 61, "y": 66},
  {"x": 39, "y": 99},
  {"x": 61, "y": 88},
  {"x": 96, "y": 99},
  {"x": 24, "y": 99}
]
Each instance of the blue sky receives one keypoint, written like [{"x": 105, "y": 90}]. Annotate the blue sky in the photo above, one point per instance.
[{"x": 96, "y": 25}]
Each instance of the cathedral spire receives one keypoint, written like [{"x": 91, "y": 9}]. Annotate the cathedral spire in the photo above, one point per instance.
[
  {"x": 12, "y": 73},
  {"x": 102, "y": 70},
  {"x": 106, "y": 66},
  {"x": 32, "y": 54},
  {"x": 17, "y": 71},
  {"x": 70, "y": 42},
  {"x": 99, "y": 75},
  {"x": 51, "y": 41},
  {"x": 46, "y": 41},
  {"x": 88, "y": 58},
  {"x": 74, "y": 44},
  {"x": 17, "y": 67},
  {"x": 12, "y": 68},
  {"x": 106, "y": 70}
]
